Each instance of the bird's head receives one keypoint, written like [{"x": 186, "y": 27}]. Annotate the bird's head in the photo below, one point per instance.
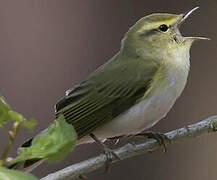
[{"x": 158, "y": 33}]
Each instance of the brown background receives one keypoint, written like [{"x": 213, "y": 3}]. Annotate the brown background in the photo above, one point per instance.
[{"x": 46, "y": 46}]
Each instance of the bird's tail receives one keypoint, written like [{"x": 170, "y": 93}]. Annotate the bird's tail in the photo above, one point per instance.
[
  {"x": 30, "y": 164},
  {"x": 27, "y": 165},
  {"x": 46, "y": 145}
]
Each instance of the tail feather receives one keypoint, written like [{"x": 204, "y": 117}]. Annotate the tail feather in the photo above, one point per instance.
[{"x": 27, "y": 165}]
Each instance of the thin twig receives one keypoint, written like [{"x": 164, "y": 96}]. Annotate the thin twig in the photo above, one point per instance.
[
  {"x": 132, "y": 149},
  {"x": 12, "y": 136}
]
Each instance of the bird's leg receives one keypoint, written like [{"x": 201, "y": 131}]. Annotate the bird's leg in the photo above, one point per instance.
[
  {"x": 108, "y": 152},
  {"x": 160, "y": 137}
]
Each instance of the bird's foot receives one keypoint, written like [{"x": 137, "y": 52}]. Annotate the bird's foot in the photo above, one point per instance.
[
  {"x": 160, "y": 137},
  {"x": 107, "y": 151},
  {"x": 109, "y": 156}
]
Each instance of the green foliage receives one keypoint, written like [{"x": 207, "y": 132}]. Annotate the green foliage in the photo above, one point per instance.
[
  {"x": 52, "y": 144},
  {"x": 7, "y": 174},
  {"x": 7, "y": 114},
  {"x": 30, "y": 124},
  {"x": 4, "y": 109}
]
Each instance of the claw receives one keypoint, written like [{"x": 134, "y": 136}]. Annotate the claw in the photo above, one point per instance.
[
  {"x": 108, "y": 152},
  {"x": 160, "y": 137},
  {"x": 109, "y": 155},
  {"x": 117, "y": 141},
  {"x": 116, "y": 138}
]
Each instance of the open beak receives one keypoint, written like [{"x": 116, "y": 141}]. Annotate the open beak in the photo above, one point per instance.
[{"x": 184, "y": 16}]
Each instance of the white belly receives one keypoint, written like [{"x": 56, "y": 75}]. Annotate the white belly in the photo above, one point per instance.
[{"x": 144, "y": 114}]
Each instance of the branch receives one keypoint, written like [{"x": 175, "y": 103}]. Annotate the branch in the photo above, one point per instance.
[
  {"x": 12, "y": 136},
  {"x": 132, "y": 149}
]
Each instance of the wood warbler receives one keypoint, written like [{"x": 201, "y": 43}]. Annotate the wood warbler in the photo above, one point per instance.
[{"x": 137, "y": 87}]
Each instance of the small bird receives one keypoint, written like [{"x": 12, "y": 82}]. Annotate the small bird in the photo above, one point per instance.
[{"x": 137, "y": 87}]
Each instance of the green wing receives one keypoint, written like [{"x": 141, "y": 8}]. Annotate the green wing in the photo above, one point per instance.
[{"x": 107, "y": 93}]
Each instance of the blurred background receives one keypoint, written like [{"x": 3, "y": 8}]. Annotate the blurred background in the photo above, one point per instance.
[{"x": 47, "y": 46}]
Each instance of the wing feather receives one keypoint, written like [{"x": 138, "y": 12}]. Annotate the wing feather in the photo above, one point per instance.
[{"x": 100, "y": 98}]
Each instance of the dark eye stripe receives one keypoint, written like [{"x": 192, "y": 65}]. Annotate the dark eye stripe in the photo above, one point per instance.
[{"x": 150, "y": 32}]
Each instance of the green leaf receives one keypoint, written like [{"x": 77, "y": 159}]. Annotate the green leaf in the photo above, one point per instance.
[
  {"x": 7, "y": 114},
  {"x": 16, "y": 116},
  {"x": 7, "y": 174},
  {"x": 4, "y": 108},
  {"x": 30, "y": 124},
  {"x": 52, "y": 144}
]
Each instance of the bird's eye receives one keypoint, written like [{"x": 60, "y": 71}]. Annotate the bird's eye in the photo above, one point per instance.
[{"x": 163, "y": 27}]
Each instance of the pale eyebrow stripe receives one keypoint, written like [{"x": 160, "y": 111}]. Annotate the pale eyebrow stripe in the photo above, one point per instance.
[{"x": 147, "y": 26}]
